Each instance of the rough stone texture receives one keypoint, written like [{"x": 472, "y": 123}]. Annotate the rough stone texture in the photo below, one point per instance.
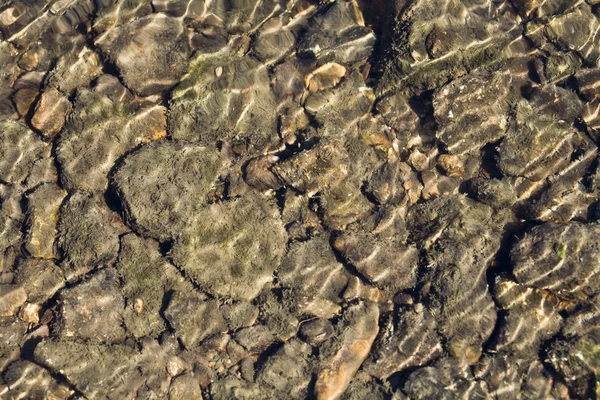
[
  {"x": 344, "y": 358},
  {"x": 339, "y": 109},
  {"x": 536, "y": 145},
  {"x": 472, "y": 111},
  {"x": 312, "y": 170},
  {"x": 412, "y": 341},
  {"x": 148, "y": 282},
  {"x": 463, "y": 237},
  {"x": 88, "y": 237},
  {"x": 444, "y": 380},
  {"x": 275, "y": 199},
  {"x": 11, "y": 216},
  {"x": 575, "y": 356},
  {"x": 25, "y": 378},
  {"x": 531, "y": 316},
  {"x": 233, "y": 248},
  {"x": 235, "y": 102},
  {"x": 193, "y": 317},
  {"x": 50, "y": 113},
  {"x": 82, "y": 364},
  {"x": 94, "y": 309},
  {"x": 75, "y": 70},
  {"x": 288, "y": 370},
  {"x": 19, "y": 149},
  {"x": 11, "y": 298},
  {"x": 43, "y": 207},
  {"x": 40, "y": 278},
  {"x": 158, "y": 198},
  {"x": 339, "y": 34},
  {"x": 436, "y": 41},
  {"x": 385, "y": 263},
  {"x": 312, "y": 271},
  {"x": 105, "y": 124},
  {"x": 559, "y": 257},
  {"x": 150, "y": 52}
]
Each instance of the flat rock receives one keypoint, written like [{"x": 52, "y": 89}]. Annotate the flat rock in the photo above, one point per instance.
[
  {"x": 11, "y": 215},
  {"x": 535, "y": 145},
  {"x": 461, "y": 242},
  {"x": 233, "y": 248},
  {"x": 348, "y": 351},
  {"x": 288, "y": 370},
  {"x": 43, "y": 206},
  {"x": 75, "y": 70},
  {"x": 11, "y": 298},
  {"x": 193, "y": 317},
  {"x": 151, "y": 52},
  {"x": 512, "y": 375},
  {"x": 278, "y": 35},
  {"x": 24, "y": 100},
  {"x": 444, "y": 380},
  {"x": 385, "y": 184},
  {"x": 558, "y": 257},
  {"x": 531, "y": 316},
  {"x": 436, "y": 41},
  {"x": 316, "y": 331},
  {"x": 574, "y": 355},
  {"x": 472, "y": 111},
  {"x": 365, "y": 386},
  {"x": 576, "y": 30},
  {"x": 93, "y": 310},
  {"x": 26, "y": 378},
  {"x": 339, "y": 109},
  {"x": 411, "y": 341},
  {"x": 40, "y": 278},
  {"x": 565, "y": 200},
  {"x": 185, "y": 387},
  {"x": 497, "y": 193},
  {"x": 19, "y": 149},
  {"x": 148, "y": 282},
  {"x": 312, "y": 170},
  {"x": 11, "y": 335},
  {"x": 50, "y": 113},
  {"x": 159, "y": 199},
  {"x": 339, "y": 34},
  {"x": 311, "y": 270},
  {"x": 88, "y": 237},
  {"x": 388, "y": 264},
  {"x": 82, "y": 364},
  {"x": 587, "y": 79},
  {"x": 105, "y": 124},
  {"x": 540, "y": 9},
  {"x": 235, "y": 103},
  {"x": 344, "y": 204}
]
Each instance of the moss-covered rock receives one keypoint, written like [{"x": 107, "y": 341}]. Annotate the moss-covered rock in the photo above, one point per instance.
[
  {"x": 163, "y": 186},
  {"x": 233, "y": 248}
]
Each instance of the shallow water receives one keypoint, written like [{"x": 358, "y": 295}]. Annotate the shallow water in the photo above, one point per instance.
[{"x": 274, "y": 199}]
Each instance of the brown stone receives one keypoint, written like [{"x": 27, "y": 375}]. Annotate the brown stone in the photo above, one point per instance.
[
  {"x": 325, "y": 77},
  {"x": 11, "y": 298},
  {"x": 354, "y": 345},
  {"x": 30, "y": 59},
  {"x": 50, "y": 113},
  {"x": 154, "y": 123},
  {"x": 24, "y": 99},
  {"x": 451, "y": 165},
  {"x": 42, "y": 209}
]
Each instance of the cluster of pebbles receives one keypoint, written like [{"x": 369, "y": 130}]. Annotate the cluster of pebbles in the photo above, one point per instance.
[{"x": 291, "y": 199}]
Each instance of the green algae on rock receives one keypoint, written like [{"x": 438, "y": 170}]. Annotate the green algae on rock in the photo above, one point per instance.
[
  {"x": 232, "y": 248},
  {"x": 163, "y": 185},
  {"x": 87, "y": 237},
  {"x": 148, "y": 282}
]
